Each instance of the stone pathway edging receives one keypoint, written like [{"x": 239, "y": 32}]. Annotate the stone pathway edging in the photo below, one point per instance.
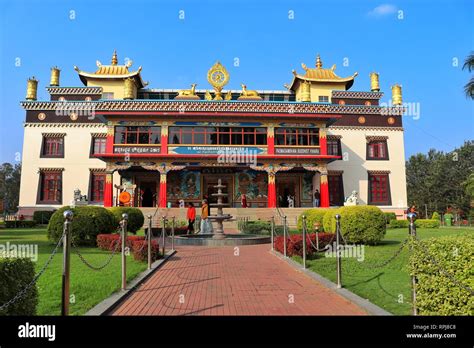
[
  {"x": 361, "y": 302},
  {"x": 110, "y": 303}
]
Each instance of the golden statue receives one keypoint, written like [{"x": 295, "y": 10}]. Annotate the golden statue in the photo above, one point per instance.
[
  {"x": 208, "y": 96},
  {"x": 218, "y": 77},
  {"x": 249, "y": 94},
  {"x": 228, "y": 96},
  {"x": 188, "y": 93}
]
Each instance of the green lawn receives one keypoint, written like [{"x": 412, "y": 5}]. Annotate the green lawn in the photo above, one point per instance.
[
  {"x": 89, "y": 287},
  {"x": 381, "y": 286}
]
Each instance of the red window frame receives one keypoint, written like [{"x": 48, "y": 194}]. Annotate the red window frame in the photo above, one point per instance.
[
  {"x": 336, "y": 190},
  {"x": 219, "y": 134},
  {"x": 97, "y": 187},
  {"x": 51, "y": 187},
  {"x": 121, "y": 136},
  {"x": 377, "y": 150},
  {"x": 334, "y": 147},
  {"x": 53, "y": 147},
  {"x": 98, "y": 145},
  {"x": 285, "y": 135},
  {"x": 379, "y": 189}
]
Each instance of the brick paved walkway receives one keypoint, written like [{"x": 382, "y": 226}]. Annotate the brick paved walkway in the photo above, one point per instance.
[{"x": 212, "y": 281}]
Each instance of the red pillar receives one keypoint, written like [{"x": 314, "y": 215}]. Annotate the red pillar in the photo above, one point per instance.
[
  {"x": 109, "y": 142},
  {"x": 164, "y": 139},
  {"x": 108, "y": 190},
  {"x": 324, "y": 190},
  {"x": 323, "y": 141},
  {"x": 271, "y": 140},
  {"x": 162, "y": 198},
  {"x": 271, "y": 190}
]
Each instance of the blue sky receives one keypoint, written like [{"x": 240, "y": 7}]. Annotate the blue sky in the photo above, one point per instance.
[{"x": 418, "y": 48}]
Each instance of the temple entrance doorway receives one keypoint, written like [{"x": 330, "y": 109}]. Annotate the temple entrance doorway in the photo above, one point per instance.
[
  {"x": 210, "y": 180},
  {"x": 148, "y": 194},
  {"x": 288, "y": 187}
]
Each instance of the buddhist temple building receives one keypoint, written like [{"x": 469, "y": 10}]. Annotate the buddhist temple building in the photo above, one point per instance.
[{"x": 121, "y": 142}]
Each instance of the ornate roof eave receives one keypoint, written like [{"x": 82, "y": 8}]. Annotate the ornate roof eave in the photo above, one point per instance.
[
  {"x": 74, "y": 90},
  {"x": 349, "y": 81},
  {"x": 357, "y": 94},
  {"x": 84, "y": 76},
  {"x": 196, "y": 106}
]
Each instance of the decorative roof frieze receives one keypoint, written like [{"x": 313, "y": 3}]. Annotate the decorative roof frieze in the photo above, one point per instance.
[
  {"x": 357, "y": 95},
  {"x": 74, "y": 90}
]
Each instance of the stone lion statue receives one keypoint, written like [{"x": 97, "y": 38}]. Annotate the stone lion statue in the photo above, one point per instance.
[{"x": 352, "y": 199}]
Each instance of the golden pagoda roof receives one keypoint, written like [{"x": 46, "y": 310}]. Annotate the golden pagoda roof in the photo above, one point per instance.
[
  {"x": 112, "y": 71},
  {"x": 318, "y": 74}
]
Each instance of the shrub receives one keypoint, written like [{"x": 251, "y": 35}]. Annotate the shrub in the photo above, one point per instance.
[
  {"x": 389, "y": 216},
  {"x": 436, "y": 293},
  {"x": 294, "y": 243},
  {"x": 20, "y": 224},
  {"x": 87, "y": 223},
  {"x": 257, "y": 227},
  {"x": 135, "y": 217},
  {"x": 399, "y": 224},
  {"x": 41, "y": 217},
  {"x": 359, "y": 224},
  {"x": 15, "y": 274},
  {"x": 313, "y": 216},
  {"x": 109, "y": 241},
  {"x": 140, "y": 250},
  {"x": 427, "y": 223},
  {"x": 435, "y": 216}
]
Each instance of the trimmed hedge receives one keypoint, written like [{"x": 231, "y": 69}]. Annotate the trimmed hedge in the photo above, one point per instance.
[
  {"x": 135, "y": 217},
  {"x": 42, "y": 217},
  {"x": 435, "y": 216},
  {"x": 294, "y": 243},
  {"x": 399, "y": 224},
  {"x": 312, "y": 216},
  {"x": 109, "y": 241},
  {"x": 140, "y": 250},
  {"x": 420, "y": 223},
  {"x": 261, "y": 227},
  {"x": 359, "y": 224},
  {"x": 390, "y": 216},
  {"x": 20, "y": 224},
  {"x": 15, "y": 274},
  {"x": 436, "y": 293},
  {"x": 87, "y": 223}
]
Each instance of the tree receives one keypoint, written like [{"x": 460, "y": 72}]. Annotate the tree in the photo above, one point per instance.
[
  {"x": 438, "y": 179},
  {"x": 469, "y": 65},
  {"x": 10, "y": 186}
]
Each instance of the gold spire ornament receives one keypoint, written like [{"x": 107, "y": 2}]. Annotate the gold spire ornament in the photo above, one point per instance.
[
  {"x": 397, "y": 94},
  {"x": 54, "y": 76},
  {"x": 319, "y": 63},
  {"x": 31, "y": 89},
  {"x": 374, "y": 82},
  {"x": 218, "y": 77},
  {"x": 114, "y": 58}
]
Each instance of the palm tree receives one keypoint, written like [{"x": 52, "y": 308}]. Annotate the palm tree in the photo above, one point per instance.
[{"x": 469, "y": 65}]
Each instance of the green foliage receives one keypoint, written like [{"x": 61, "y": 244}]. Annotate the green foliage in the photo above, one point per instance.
[
  {"x": 257, "y": 227},
  {"x": 427, "y": 223},
  {"x": 20, "y": 224},
  {"x": 87, "y": 223},
  {"x": 10, "y": 186},
  {"x": 359, "y": 224},
  {"x": 435, "y": 216},
  {"x": 436, "y": 293},
  {"x": 440, "y": 179},
  {"x": 399, "y": 224},
  {"x": 15, "y": 274},
  {"x": 135, "y": 217},
  {"x": 389, "y": 216},
  {"x": 312, "y": 216},
  {"x": 41, "y": 217}
]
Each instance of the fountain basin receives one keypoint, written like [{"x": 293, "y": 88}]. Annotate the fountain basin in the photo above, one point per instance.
[{"x": 227, "y": 240}]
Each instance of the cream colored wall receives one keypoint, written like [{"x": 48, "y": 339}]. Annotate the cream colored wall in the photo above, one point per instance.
[
  {"x": 320, "y": 89},
  {"x": 355, "y": 165},
  {"x": 76, "y": 161},
  {"x": 117, "y": 87}
]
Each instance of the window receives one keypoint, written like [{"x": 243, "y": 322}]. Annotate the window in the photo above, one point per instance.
[
  {"x": 334, "y": 147},
  {"x": 98, "y": 145},
  {"x": 108, "y": 95},
  {"x": 97, "y": 185},
  {"x": 323, "y": 99},
  {"x": 377, "y": 150},
  {"x": 336, "y": 190},
  {"x": 50, "y": 187},
  {"x": 217, "y": 135},
  {"x": 53, "y": 146},
  {"x": 379, "y": 189},
  {"x": 297, "y": 136},
  {"x": 137, "y": 135}
]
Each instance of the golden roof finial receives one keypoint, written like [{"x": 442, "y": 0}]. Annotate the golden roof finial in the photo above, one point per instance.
[
  {"x": 114, "y": 58},
  {"x": 319, "y": 63}
]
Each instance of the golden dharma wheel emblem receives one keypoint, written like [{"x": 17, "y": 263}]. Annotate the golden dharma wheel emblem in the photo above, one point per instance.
[
  {"x": 391, "y": 120},
  {"x": 361, "y": 119},
  {"x": 218, "y": 76},
  {"x": 41, "y": 116},
  {"x": 73, "y": 116}
]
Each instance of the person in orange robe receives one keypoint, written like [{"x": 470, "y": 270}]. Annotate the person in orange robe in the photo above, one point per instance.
[{"x": 191, "y": 216}]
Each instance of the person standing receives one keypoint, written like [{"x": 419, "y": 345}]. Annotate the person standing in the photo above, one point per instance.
[
  {"x": 243, "y": 200},
  {"x": 206, "y": 226},
  {"x": 191, "y": 216},
  {"x": 317, "y": 198}
]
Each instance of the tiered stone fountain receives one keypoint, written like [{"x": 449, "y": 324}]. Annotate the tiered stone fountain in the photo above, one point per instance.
[{"x": 220, "y": 216}]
